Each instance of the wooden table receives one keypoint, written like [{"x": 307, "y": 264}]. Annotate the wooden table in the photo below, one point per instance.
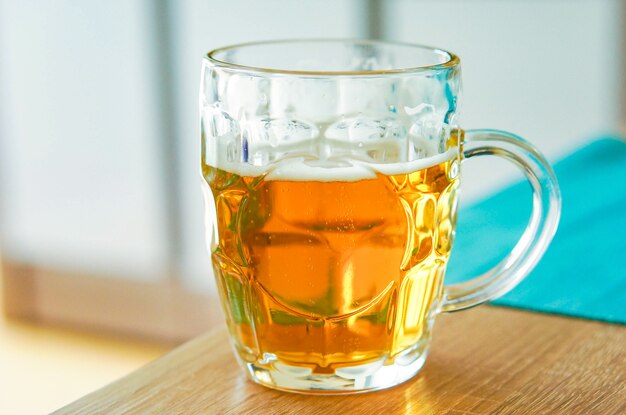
[{"x": 486, "y": 360}]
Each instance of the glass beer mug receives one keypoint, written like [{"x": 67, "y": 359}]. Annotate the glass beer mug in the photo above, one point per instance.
[{"x": 331, "y": 171}]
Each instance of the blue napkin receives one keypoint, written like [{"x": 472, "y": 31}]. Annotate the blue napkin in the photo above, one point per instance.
[{"x": 583, "y": 273}]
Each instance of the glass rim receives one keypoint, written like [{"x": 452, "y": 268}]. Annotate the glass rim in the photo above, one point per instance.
[{"x": 451, "y": 62}]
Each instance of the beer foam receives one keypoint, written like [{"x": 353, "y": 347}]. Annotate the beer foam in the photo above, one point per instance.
[{"x": 301, "y": 169}]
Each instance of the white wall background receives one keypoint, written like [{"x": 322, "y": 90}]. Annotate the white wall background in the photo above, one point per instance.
[
  {"x": 549, "y": 71},
  {"x": 79, "y": 175},
  {"x": 81, "y": 167}
]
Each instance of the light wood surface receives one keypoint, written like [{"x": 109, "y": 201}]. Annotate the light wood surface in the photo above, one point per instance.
[{"x": 486, "y": 360}]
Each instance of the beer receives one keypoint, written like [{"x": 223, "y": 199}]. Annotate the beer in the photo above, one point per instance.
[{"x": 321, "y": 269}]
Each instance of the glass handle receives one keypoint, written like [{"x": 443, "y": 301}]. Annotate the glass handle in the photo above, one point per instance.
[{"x": 539, "y": 232}]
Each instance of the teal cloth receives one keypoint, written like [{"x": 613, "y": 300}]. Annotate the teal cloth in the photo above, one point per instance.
[{"x": 583, "y": 273}]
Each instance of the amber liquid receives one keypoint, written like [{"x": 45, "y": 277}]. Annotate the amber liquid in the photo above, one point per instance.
[{"x": 324, "y": 275}]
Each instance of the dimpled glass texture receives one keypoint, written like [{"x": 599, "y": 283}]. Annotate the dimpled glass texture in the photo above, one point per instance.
[{"x": 330, "y": 175}]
